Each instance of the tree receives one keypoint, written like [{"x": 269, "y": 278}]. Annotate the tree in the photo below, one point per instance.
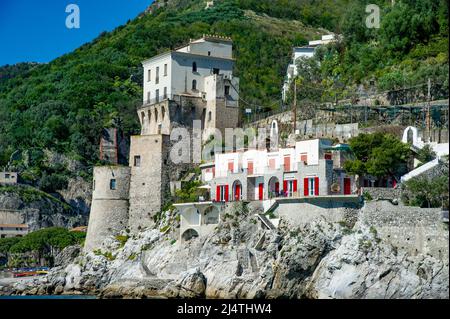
[
  {"x": 427, "y": 192},
  {"x": 377, "y": 154},
  {"x": 426, "y": 154}
]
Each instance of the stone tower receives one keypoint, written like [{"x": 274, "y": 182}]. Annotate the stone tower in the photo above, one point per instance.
[{"x": 109, "y": 208}]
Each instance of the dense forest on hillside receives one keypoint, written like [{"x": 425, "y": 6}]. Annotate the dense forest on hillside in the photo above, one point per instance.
[{"x": 63, "y": 105}]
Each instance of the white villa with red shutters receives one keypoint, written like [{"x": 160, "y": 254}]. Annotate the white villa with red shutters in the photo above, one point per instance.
[{"x": 310, "y": 168}]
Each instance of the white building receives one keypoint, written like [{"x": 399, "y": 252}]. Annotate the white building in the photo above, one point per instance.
[
  {"x": 304, "y": 51},
  {"x": 194, "y": 82},
  {"x": 311, "y": 168},
  {"x": 190, "y": 70}
]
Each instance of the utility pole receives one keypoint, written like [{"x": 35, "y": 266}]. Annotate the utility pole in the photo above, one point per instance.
[
  {"x": 428, "y": 120},
  {"x": 294, "y": 109}
]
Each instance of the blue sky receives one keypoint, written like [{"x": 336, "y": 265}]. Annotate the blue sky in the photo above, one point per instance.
[{"x": 35, "y": 30}]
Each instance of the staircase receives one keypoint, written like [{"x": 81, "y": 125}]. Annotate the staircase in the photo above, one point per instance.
[
  {"x": 265, "y": 221},
  {"x": 420, "y": 170}
]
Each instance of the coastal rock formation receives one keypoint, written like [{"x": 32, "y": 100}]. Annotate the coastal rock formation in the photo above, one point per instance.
[{"x": 243, "y": 260}]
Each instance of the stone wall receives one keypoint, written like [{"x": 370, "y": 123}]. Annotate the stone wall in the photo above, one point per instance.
[
  {"x": 382, "y": 192},
  {"x": 417, "y": 230},
  {"x": 109, "y": 209}
]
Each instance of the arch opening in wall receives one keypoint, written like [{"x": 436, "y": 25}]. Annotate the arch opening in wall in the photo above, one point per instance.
[
  {"x": 149, "y": 116},
  {"x": 274, "y": 132},
  {"x": 212, "y": 215},
  {"x": 194, "y": 85},
  {"x": 274, "y": 187},
  {"x": 189, "y": 234},
  {"x": 163, "y": 113},
  {"x": 156, "y": 115},
  {"x": 237, "y": 190}
]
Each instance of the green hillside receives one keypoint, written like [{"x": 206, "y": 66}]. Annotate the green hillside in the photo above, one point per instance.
[{"x": 64, "y": 104}]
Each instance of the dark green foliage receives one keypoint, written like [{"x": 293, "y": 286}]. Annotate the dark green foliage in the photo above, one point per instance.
[
  {"x": 188, "y": 193},
  {"x": 427, "y": 192},
  {"x": 45, "y": 242},
  {"x": 377, "y": 154}
]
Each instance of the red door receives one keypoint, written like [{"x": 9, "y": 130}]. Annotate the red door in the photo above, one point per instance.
[
  {"x": 295, "y": 187},
  {"x": 218, "y": 194},
  {"x": 237, "y": 192},
  {"x": 277, "y": 187},
  {"x": 305, "y": 187},
  {"x": 226, "y": 193},
  {"x": 347, "y": 186},
  {"x": 316, "y": 186},
  {"x": 261, "y": 191}
]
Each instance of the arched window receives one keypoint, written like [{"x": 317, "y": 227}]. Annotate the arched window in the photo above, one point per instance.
[
  {"x": 209, "y": 116},
  {"x": 194, "y": 66},
  {"x": 149, "y": 116},
  {"x": 156, "y": 115},
  {"x": 194, "y": 85},
  {"x": 163, "y": 112}
]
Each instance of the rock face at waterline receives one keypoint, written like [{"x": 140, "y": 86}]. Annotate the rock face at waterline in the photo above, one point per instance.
[{"x": 243, "y": 260}]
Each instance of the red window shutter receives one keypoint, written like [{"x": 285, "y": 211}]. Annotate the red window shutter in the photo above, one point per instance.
[
  {"x": 285, "y": 188},
  {"x": 305, "y": 187},
  {"x": 250, "y": 168},
  {"x": 231, "y": 166},
  {"x": 295, "y": 185},
  {"x": 226, "y": 193},
  {"x": 316, "y": 186},
  {"x": 218, "y": 193},
  {"x": 287, "y": 163}
]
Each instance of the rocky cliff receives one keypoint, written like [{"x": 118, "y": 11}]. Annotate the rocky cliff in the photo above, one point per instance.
[{"x": 241, "y": 259}]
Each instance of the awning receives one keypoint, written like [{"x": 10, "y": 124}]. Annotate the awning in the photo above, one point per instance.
[{"x": 204, "y": 187}]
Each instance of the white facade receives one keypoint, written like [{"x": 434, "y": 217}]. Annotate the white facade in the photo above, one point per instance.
[
  {"x": 185, "y": 70},
  {"x": 305, "y": 51},
  {"x": 259, "y": 162}
]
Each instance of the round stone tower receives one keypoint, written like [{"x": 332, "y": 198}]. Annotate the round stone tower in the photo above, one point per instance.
[{"x": 109, "y": 208}]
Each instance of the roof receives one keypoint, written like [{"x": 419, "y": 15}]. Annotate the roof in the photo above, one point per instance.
[
  {"x": 79, "y": 229},
  {"x": 206, "y": 37},
  {"x": 14, "y": 225}
]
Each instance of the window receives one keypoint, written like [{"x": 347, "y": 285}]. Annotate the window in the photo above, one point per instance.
[
  {"x": 328, "y": 156},
  {"x": 112, "y": 184},
  {"x": 165, "y": 93},
  {"x": 272, "y": 163},
  {"x": 227, "y": 90},
  {"x": 194, "y": 85},
  {"x": 137, "y": 160},
  {"x": 311, "y": 186},
  {"x": 157, "y": 75},
  {"x": 165, "y": 69},
  {"x": 149, "y": 75},
  {"x": 142, "y": 117},
  {"x": 163, "y": 112},
  {"x": 209, "y": 116},
  {"x": 209, "y": 53},
  {"x": 157, "y": 96},
  {"x": 159, "y": 128},
  {"x": 304, "y": 157},
  {"x": 7, "y": 175},
  {"x": 231, "y": 166},
  {"x": 156, "y": 115},
  {"x": 250, "y": 167},
  {"x": 148, "y": 97},
  {"x": 149, "y": 116},
  {"x": 194, "y": 67},
  {"x": 287, "y": 163},
  {"x": 216, "y": 71}
]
